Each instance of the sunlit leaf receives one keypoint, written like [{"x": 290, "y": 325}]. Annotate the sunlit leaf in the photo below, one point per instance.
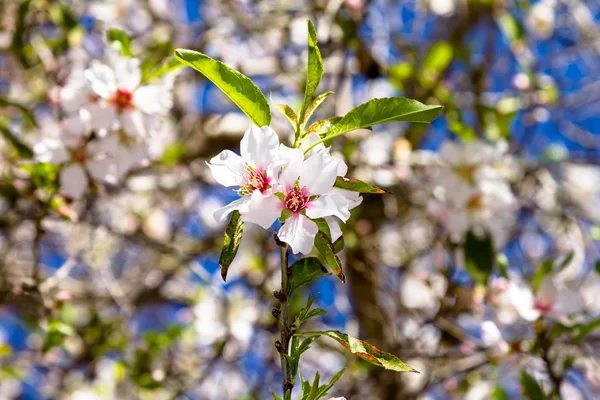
[
  {"x": 356, "y": 185},
  {"x": 364, "y": 350},
  {"x": 289, "y": 113},
  {"x": 314, "y": 105},
  {"x": 238, "y": 87},
  {"x": 305, "y": 271},
  {"x": 314, "y": 72},
  {"x": 119, "y": 41},
  {"x": 325, "y": 247},
  {"x": 233, "y": 237},
  {"x": 531, "y": 388}
]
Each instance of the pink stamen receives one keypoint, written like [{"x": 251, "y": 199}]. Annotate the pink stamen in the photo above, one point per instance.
[
  {"x": 123, "y": 99},
  {"x": 296, "y": 199}
]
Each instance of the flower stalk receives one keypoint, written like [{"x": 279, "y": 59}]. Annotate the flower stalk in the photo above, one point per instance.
[{"x": 283, "y": 321}]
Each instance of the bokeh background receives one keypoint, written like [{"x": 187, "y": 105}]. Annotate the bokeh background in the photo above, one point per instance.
[{"x": 118, "y": 294}]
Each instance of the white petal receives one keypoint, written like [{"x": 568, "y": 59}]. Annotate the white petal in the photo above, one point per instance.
[
  {"x": 299, "y": 232},
  {"x": 153, "y": 99},
  {"x": 310, "y": 140},
  {"x": 293, "y": 159},
  {"x": 103, "y": 170},
  {"x": 73, "y": 181},
  {"x": 72, "y": 131},
  {"x": 128, "y": 73},
  {"x": 263, "y": 210},
  {"x": 334, "y": 228},
  {"x": 258, "y": 145},
  {"x": 354, "y": 198},
  {"x": 522, "y": 299},
  {"x": 318, "y": 173},
  {"x": 98, "y": 116},
  {"x": 227, "y": 168},
  {"x": 101, "y": 78},
  {"x": 240, "y": 204},
  {"x": 133, "y": 123},
  {"x": 330, "y": 204},
  {"x": 50, "y": 151}
]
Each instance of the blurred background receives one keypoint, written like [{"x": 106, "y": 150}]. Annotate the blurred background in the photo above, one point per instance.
[{"x": 479, "y": 270}]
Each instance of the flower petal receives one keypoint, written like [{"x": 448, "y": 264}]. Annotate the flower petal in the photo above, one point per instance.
[
  {"x": 263, "y": 210},
  {"x": 331, "y": 204},
  {"x": 334, "y": 228},
  {"x": 293, "y": 159},
  {"x": 354, "y": 198},
  {"x": 101, "y": 78},
  {"x": 240, "y": 204},
  {"x": 50, "y": 151},
  {"x": 128, "y": 73},
  {"x": 73, "y": 181},
  {"x": 318, "y": 173},
  {"x": 153, "y": 99},
  {"x": 299, "y": 232},
  {"x": 258, "y": 145},
  {"x": 228, "y": 168},
  {"x": 132, "y": 122},
  {"x": 98, "y": 116}
]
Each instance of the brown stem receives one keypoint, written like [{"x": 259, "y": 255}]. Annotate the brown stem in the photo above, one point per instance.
[{"x": 284, "y": 328}]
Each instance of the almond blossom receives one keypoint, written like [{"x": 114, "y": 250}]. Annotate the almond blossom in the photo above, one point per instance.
[
  {"x": 253, "y": 172},
  {"x": 118, "y": 100},
  {"x": 306, "y": 192}
]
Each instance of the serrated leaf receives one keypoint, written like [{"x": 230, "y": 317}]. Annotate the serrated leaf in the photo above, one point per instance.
[
  {"x": 531, "y": 388},
  {"x": 383, "y": 111},
  {"x": 119, "y": 41},
  {"x": 323, "y": 126},
  {"x": 237, "y": 86},
  {"x": 314, "y": 105},
  {"x": 364, "y": 350},
  {"x": 356, "y": 185},
  {"x": 314, "y": 71},
  {"x": 231, "y": 243},
  {"x": 289, "y": 113},
  {"x": 323, "y": 244},
  {"x": 305, "y": 271},
  {"x": 479, "y": 257}
]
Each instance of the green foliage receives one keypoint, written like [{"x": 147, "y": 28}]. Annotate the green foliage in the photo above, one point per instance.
[
  {"x": 325, "y": 247},
  {"x": 57, "y": 332},
  {"x": 119, "y": 41},
  {"x": 438, "y": 58},
  {"x": 43, "y": 175},
  {"x": 323, "y": 126},
  {"x": 314, "y": 72},
  {"x": 305, "y": 271},
  {"x": 356, "y": 185},
  {"x": 307, "y": 313},
  {"x": 238, "y": 87},
  {"x": 22, "y": 149},
  {"x": 316, "y": 391},
  {"x": 26, "y": 112},
  {"x": 531, "y": 388},
  {"x": 364, "y": 350},
  {"x": 479, "y": 257},
  {"x": 290, "y": 114},
  {"x": 382, "y": 111},
  {"x": 538, "y": 276},
  {"x": 231, "y": 243},
  {"x": 153, "y": 71},
  {"x": 314, "y": 105},
  {"x": 173, "y": 154}
]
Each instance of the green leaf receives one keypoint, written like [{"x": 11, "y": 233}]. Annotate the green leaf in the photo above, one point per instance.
[
  {"x": 323, "y": 126},
  {"x": 544, "y": 269},
  {"x": 57, "y": 331},
  {"x": 338, "y": 245},
  {"x": 169, "y": 65},
  {"x": 355, "y": 185},
  {"x": 597, "y": 267},
  {"x": 289, "y": 113},
  {"x": 238, "y": 87},
  {"x": 275, "y": 396},
  {"x": 325, "y": 388},
  {"x": 305, "y": 271},
  {"x": 586, "y": 329},
  {"x": 531, "y": 388},
  {"x": 119, "y": 41},
  {"x": 502, "y": 262},
  {"x": 479, "y": 257},
  {"x": 510, "y": 26},
  {"x": 438, "y": 58},
  {"x": 314, "y": 72},
  {"x": 364, "y": 350},
  {"x": 323, "y": 244},
  {"x": 233, "y": 237},
  {"x": 314, "y": 105},
  {"x": 323, "y": 227},
  {"x": 499, "y": 394},
  {"x": 22, "y": 149},
  {"x": 383, "y": 111},
  {"x": 27, "y": 114},
  {"x": 306, "y": 313}
]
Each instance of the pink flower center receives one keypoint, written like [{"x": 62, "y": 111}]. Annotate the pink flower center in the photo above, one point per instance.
[
  {"x": 296, "y": 199},
  {"x": 543, "y": 306},
  {"x": 256, "y": 179},
  {"x": 123, "y": 99}
]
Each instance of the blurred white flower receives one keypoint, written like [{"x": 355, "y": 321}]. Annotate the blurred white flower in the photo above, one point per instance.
[{"x": 540, "y": 19}]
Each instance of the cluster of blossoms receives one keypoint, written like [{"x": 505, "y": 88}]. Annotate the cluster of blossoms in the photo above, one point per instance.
[
  {"x": 276, "y": 181},
  {"x": 110, "y": 117},
  {"x": 471, "y": 189}
]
